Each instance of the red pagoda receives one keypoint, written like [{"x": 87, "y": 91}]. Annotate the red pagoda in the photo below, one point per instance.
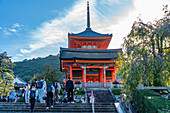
[{"x": 87, "y": 58}]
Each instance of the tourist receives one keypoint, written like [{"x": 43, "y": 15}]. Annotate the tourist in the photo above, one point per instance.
[
  {"x": 69, "y": 89},
  {"x": 36, "y": 80},
  {"x": 83, "y": 100},
  {"x": 26, "y": 93},
  {"x": 65, "y": 99},
  {"x": 12, "y": 96},
  {"x": 23, "y": 93},
  {"x": 16, "y": 98},
  {"x": 41, "y": 85},
  {"x": 49, "y": 92},
  {"x": 32, "y": 95},
  {"x": 0, "y": 98},
  {"x": 56, "y": 91},
  {"x": 64, "y": 92}
]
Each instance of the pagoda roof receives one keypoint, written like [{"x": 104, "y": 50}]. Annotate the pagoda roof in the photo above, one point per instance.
[
  {"x": 89, "y": 33},
  {"x": 89, "y": 54}
]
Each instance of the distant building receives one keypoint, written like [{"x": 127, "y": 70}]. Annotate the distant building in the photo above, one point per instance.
[
  {"x": 87, "y": 58},
  {"x": 19, "y": 83}
]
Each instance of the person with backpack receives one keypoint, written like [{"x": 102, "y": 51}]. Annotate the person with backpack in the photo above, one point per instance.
[
  {"x": 57, "y": 89},
  {"x": 32, "y": 95},
  {"x": 49, "y": 92},
  {"x": 69, "y": 89},
  {"x": 41, "y": 85}
]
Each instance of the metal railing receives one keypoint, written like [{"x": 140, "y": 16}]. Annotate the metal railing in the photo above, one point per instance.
[{"x": 95, "y": 85}]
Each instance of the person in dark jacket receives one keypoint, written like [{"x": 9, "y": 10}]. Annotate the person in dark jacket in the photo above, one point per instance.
[
  {"x": 32, "y": 95},
  {"x": 69, "y": 89}
]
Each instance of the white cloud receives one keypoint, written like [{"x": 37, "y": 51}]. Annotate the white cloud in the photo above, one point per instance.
[
  {"x": 19, "y": 55},
  {"x": 12, "y": 30},
  {"x": 1, "y": 28},
  {"x": 16, "y": 25},
  {"x": 6, "y": 32},
  {"x": 56, "y": 30},
  {"x": 149, "y": 10}
]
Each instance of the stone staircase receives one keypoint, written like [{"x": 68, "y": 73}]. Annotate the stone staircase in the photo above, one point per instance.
[
  {"x": 104, "y": 101},
  {"x": 41, "y": 107}
]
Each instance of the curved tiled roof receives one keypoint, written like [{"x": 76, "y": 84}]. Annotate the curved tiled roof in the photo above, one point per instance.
[
  {"x": 89, "y": 54},
  {"x": 89, "y": 33}
]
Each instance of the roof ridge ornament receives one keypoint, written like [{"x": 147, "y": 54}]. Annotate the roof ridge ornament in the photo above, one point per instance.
[{"x": 88, "y": 17}]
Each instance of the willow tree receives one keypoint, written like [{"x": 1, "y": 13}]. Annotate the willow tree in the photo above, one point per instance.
[
  {"x": 146, "y": 54},
  {"x": 6, "y": 74}
]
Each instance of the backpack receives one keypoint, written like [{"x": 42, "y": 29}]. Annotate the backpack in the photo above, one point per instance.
[
  {"x": 32, "y": 94},
  {"x": 49, "y": 88},
  {"x": 55, "y": 85},
  {"x": 40, "y": 84}
]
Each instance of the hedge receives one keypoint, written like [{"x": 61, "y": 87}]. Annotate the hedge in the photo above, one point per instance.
[
  {"x": 79, "y": 92},
  {"x": 148, "y": 101},
  {"x": 117, "y": 91}
]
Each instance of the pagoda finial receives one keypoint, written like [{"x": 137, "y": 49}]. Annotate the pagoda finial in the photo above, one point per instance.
[{"x": 88, "y": 15}]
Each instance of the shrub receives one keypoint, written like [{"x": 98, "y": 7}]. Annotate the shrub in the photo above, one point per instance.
[
  {"x": 79, "y": 92},
  {"x": 21, "y": 99},
  {"x": 117, "y": 91},
  {"x": 148, "y": 101},
  {"x": 61, "y": 91}
]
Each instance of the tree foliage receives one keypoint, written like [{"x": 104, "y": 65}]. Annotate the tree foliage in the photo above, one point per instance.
[
  {"x": 6, "y": 74},
  {"x": 50, "y": 74},
  {"x": 27, "y": 69},
  {"x": 146, "y": 54}
]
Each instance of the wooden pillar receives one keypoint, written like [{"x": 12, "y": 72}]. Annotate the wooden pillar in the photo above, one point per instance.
[
  {"x": 71, "y": 73},
  {"x": 101, "y": 75},
  {"x": 112, "y": 73},
  {"x": 85, "y": 74},
  {"x": 104, "y": 74}
]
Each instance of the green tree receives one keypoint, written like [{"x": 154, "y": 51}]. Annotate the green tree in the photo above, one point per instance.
[
  {"x": 6, "y": 74},
  {"x": 146, "y": 54},
  {"x": 50, "y": 74}
]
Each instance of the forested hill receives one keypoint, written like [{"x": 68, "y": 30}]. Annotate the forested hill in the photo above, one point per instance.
[{"x": 27, "y": 68}]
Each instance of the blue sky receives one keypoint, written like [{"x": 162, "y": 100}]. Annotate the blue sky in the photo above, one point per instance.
[{"x": 38, "y": 28}]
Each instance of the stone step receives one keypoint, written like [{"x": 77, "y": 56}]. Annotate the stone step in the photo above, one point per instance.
[{"x": 50, "y": 110}]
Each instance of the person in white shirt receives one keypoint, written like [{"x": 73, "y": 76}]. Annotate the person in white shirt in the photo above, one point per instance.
[
  {"x": 26, "y": 93},
  {"x": 32, "y": 95},
  {"x": 41, "y": 85}
]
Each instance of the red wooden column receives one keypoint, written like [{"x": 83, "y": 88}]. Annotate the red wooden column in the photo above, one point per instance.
[
  {"x": 101, "y": 75},
  {"x": 114, "y": 73},
  {"x": 71, "y": 73},
  {"x": 104, "y": 74},
  {"x": 84, "y": 74}
]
